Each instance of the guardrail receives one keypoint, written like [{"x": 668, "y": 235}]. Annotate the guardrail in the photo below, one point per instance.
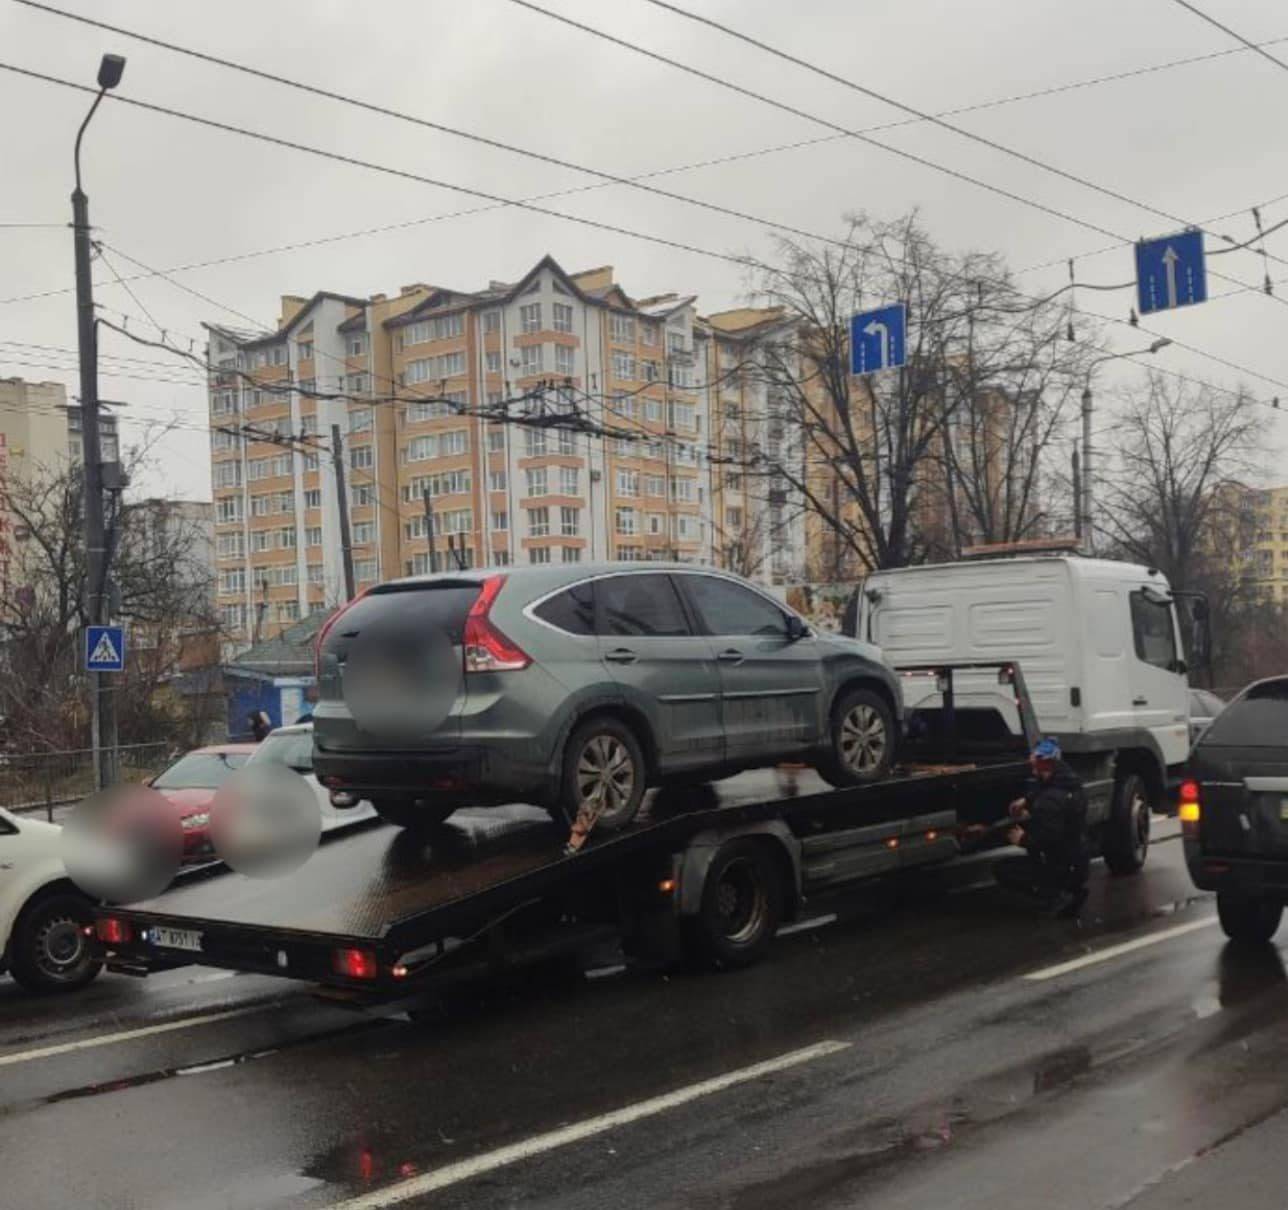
[{"x": 36, "y": 782}]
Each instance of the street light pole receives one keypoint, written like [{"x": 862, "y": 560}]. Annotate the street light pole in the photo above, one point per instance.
[
  {"x": 1085, "y": 498},
  {"x": 103, "y": 711}
]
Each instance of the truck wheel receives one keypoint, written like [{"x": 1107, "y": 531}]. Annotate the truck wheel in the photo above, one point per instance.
[
  {"x": 861, "y": 740},
  {"x": 49, "y": 951},
  {"x": 604, "y": 771},
  {"x": 1248, "y": 918},
  {"x": 742, "y": 904},
  {"x": 404, "y": 814},
  {"x": 1126, "y": 831}
]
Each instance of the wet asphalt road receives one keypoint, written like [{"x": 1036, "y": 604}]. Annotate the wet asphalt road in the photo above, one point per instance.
[{"x": 911, "y": 1061}]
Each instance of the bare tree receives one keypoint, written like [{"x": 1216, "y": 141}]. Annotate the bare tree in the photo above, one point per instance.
[
  {"x": 160, "y": 584},
  {"x": 894, "y": 440}
]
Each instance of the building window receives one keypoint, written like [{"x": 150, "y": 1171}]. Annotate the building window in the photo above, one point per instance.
[
  {"x": 622, "y": 327},
  {"x": 362, "y": 495},
  {"x": 222, "y": 439},
  {"x": 364, "y": 570},
  {"x": 676, "y": 343},
  {"x": 453, "y": 521},
  {"x": 436, "y": 409},
  {"x": 286, "y": 538},
  {"x": 569, "y": 481},
  {"x": 648, "y": 333},
  {"x": 361, "y": 457},
  {"x": 360, "y": 420},
  {"x": 562, "y": 317},
  {"x": 536, "y": 481},
  {"x": 493, "y": 361},
  {"x": 434, "y": 369},
  {"x": 733, "y": 519},
  {"x": 624, "y": 365},
  {"x": 567, "y": 441},
  {"x": 228, "y": 509},
  {"x": 565, "y": 359},
  {"x": 233, "y": 580},
  {"x": 531, "y": 360},
  {"x": 500, "y": 520},
  {"x": 357, "y": 384},
  {"x": 656, "y": 524},
  {"x": 496, "y": 481},
  {"x": 232, "y": 617},
  {"x": 364, "y": 532},
  {"x": 654, "y": 485},
  {"x": 449, "y": 483},
  {"x": 313, "y": 535},
  {"x": 683, "y": 416},
  {"x": 227, "y": 474},
  {"x": 625, "y": 522},
  {"x": 683, "y": 489},
  {"x": 530, "y": 317},
  {"x": 261, "y": 540},
  {"x": 538, "y": 522},
  {"x": 441, "y": 327},
  {"x": 539, "y": 554},
  {"x": 628, "y": 483},
  {"x": 569, "y": 521},
  {"x": 685, "y": 527},
  {"x": 356, "y": 345},
  {"x": 572, "y": 554},
  {"x": 314, "y": 573},
  {"x": 304, "y": 350},
  {"x": 653, "y": 410},
  {"x": 495, "y": 440},
  {"x": 313, "y": 498},
  {"x": 437, "y": 445},
  {"x": 650, "y": 371},
  {"x": 492, "y": 321}
]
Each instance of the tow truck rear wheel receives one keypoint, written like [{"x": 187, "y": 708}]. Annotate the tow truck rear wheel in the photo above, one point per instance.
[
  {"x": 1250, "y": 919},
  {"x": 49, "y": 951},
  {"x": 413, "y": 817},
  {"x": 742, "y": 904}
]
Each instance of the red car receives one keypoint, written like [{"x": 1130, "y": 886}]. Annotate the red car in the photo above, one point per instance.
[{"x": 190, "y": 784}]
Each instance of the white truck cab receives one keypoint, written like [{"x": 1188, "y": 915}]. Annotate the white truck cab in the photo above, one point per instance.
[
  {"x": 42, "y": 914},
  {"x": 1099, "y": 644}
]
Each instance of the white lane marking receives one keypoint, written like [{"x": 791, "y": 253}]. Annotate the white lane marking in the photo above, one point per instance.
[
  {"x": 1113, "y": 951},
  {"x": 464, "y": 1170},
  {"x": 815, "y": 922},
  {"x": 126, "y": 1035}
]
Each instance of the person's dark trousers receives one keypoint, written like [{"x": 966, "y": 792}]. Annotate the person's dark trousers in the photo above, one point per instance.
[{"x": 1040, "y": 878}]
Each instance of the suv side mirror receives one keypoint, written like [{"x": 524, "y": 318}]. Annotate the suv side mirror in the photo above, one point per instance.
[{"x": 796, "y": 629}]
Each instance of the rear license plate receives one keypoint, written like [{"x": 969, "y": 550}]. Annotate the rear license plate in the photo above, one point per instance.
[{"x": 175, "y": 939}]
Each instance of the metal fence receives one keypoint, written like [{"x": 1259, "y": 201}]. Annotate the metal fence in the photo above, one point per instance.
[{"x": 40, "y": 781}]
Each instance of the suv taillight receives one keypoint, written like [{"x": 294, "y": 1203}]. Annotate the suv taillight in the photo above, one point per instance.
[
  {"x": 486, "y": 648},
  {"x": 326, "y": 629},
  {"x": 1191, "y": 808}
]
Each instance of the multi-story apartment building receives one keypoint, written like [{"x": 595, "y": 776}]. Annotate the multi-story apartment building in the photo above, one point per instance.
[
  {"x": 553, "y": 419},
  {"x": 1255, "y": 537},
  {"x": 41, "y": 429}
]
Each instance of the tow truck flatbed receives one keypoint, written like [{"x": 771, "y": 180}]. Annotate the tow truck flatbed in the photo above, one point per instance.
[{"x": 383, "y": 910}]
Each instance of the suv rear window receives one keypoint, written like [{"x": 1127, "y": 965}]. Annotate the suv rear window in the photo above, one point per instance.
[
  {"x": 1259, "y": 719},
  {"x": 407, "y": 612}
]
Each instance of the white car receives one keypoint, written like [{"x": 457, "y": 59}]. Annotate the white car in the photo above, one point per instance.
[
  {"x": 43, "y": 915},
  {"x": 292, "y": 746}
]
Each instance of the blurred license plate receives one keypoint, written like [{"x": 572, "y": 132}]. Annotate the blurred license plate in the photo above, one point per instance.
[{"x": 175, "y": 939}]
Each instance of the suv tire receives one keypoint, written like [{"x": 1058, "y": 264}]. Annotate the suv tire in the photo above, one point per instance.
[
  {"x": 603, "y": 757},
  {"x": 1250, "y": 919},
  {"x": 861, "y": 740}
]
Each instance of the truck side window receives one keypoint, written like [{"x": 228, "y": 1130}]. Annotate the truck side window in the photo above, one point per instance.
[{"x": 1153, "y": 633}]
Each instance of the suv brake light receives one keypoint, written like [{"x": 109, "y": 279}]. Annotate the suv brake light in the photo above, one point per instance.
[
  {"x": 486, "y": 648},
  {"x": 1191, "y": 808},
  {"x": 326, "y": 629}
]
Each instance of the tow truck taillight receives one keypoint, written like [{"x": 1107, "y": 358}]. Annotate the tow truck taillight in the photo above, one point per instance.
[
  {"x": 112, "y": 931},
  {"x": 486, "y": 648},
  {"x": 354, "y": 963},
  {"x": 1191, "y": 808}
]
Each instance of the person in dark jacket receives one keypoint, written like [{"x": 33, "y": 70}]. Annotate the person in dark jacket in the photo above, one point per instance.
[
  {"x": 260, "y": 725},
  {"x": 1051, "y": 825}
]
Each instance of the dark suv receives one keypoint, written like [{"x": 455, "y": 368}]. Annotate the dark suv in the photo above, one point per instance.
[
  {"x": 1234, "y": 811},
  {"x": 585, "y": 684}
]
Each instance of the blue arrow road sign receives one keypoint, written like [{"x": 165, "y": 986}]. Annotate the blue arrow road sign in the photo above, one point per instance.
[
  {"x": 1170, "y": 272},
  {"x": 877, "y": 339},
  {"x": 104, "y": 648}
]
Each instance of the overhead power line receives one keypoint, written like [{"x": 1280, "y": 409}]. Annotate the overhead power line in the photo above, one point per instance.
[{"x": 1225, "y": 29}]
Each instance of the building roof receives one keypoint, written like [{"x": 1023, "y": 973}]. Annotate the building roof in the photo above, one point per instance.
[
  {"x": 241, "y": 337},
  {"x": 288, "y": 654}
]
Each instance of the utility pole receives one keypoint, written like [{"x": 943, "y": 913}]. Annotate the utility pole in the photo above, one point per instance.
[
  {"x": 429, "y": 525},
  {"x": 342, "y": 498},
  {"x": 1077, "y": 495},
  {"x": 1084, "y": 510},
  {"x": 103, "y": 704}
]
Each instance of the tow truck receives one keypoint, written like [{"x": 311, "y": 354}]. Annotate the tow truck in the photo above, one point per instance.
[{"x": 705, "y": 873}]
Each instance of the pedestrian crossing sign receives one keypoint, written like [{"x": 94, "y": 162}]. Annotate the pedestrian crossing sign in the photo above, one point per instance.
[{"x": 104, "y": 648}]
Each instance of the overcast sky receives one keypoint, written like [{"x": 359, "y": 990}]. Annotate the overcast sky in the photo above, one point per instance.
[{"x": 1194, "y": 141}]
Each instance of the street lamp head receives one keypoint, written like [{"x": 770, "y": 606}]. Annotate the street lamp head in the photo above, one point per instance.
[
  {"x": 1161, "y": 343},
  {"x": 110, "y": 71}
]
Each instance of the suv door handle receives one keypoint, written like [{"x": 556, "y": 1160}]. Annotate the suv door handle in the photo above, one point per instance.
[
  {"x": 732, "y": 656},
  {"x": 621, "y": 655},
  {"x": 1139, "y": 701}
]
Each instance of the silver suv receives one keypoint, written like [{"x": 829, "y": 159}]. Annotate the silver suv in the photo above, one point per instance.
[{"x": 584, "y": 685}]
